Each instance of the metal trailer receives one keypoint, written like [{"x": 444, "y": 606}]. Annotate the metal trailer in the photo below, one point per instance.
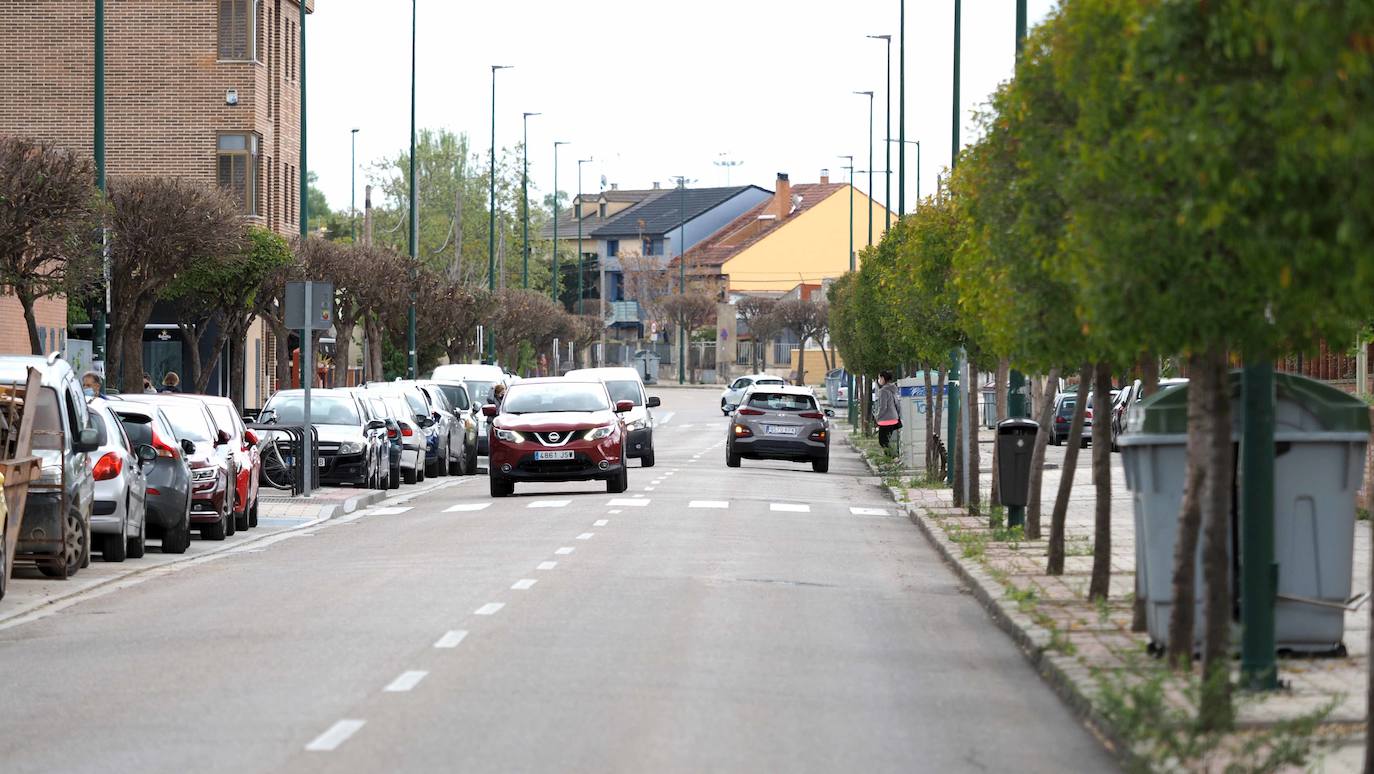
[{"x": 21, "y": 476}]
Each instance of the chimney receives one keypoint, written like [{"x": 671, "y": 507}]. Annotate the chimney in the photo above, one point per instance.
[
  {"x": 782, "y": 198},
  {"x": 656, "y": 185},
  {"x": 825, "y": 177},
  {"x": 615, "y": 186}
]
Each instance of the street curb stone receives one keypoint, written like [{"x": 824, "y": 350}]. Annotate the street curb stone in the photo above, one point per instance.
[{"x": 1030, "y": 638}]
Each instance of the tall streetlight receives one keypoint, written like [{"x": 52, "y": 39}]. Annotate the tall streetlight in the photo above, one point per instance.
[
  {"x": 578, "y": 211},
  {"x": 902, "y": 152},
  {"x": 901, "y": 110},
  {"x": 682, "y": 274},
  {"x": 887, "y": 145},
  {"x": 954, "y": 139},
  {"x": 411, "y": 360},
  {"x": 525, "y": 197},
  {"x": 491, "y": 209},
  {"x": 869, "y": 94},
  {"x": 853, "y": 409},
  {"x": 353, "y": 186},
  {"x": 556, "y": 283},
  {"x": 102, "y": 309}
]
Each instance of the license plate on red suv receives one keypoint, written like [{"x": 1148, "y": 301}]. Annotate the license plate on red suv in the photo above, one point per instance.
[{"x": 553, "y": 455}]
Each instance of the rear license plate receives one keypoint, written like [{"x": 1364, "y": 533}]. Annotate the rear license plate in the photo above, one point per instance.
[
  {"x": 781, "y": 430},
  {"x": 553, "y": 455}
]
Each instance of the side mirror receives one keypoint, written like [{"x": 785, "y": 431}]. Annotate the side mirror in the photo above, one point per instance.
[
  {"x": 88, "y": 440},
  {"x": 654, "y": 402},
  {"x": 490, "y": 410},
  {"x": 621, "y": 406},
  {"x": 188, "y": 446},
  {"x": 250, "y": 437},
  {"x": 830, "y": 412},
  {"x": 376, "y": 424},
  {"x": 223, "y": 437},
  {"x": 438, "y": 417},
  {"x": 145, "y": 453},
  {"x": 267, "y": 416}
]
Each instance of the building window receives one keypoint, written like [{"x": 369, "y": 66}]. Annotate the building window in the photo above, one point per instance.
[
  {"x": 238, "y": 30},
  {"x": 287, "y": 198},
  {"x": 291, "y": 41},
  {"x": 238, "y": 169},
  {"x": 612, "y": 248},
  {"x": 653, "y": 245}
]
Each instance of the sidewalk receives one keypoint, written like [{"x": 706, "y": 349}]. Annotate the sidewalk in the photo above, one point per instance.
[{"x": 1072, "y": 641}]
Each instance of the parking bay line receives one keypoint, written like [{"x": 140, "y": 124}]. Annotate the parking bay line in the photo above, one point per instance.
[
  {"x": 585, "y": 536},
  {"x": 546, "y": 565},
  {"x": 601, "y": 522},
  {"x": 709, "y": 504},
  {"x": 790, "y": 507},
  {"x": 524, "y": 584},
  {"x": 548, "y": 503},
  {"x": 405, "y": 681},
  {"x": 465, "y": 507},
  {"x": 335, "y": 736},
  {"x": 490, "y": 608},
  {"x": 389, "y": 511},
  {"x": 451, "y": 639},
  {"x": 565, "y": 550},
  {"x": 636, "y": 502}
]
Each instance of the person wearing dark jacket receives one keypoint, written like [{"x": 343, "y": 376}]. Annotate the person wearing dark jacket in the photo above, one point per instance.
[
  {"x": 885, "y": 409},
  {"x": 171, "y": 382}
]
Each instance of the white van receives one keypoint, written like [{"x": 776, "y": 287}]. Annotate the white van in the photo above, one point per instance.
[
  {"x": 480, "y": 380},
  {"x": 626, "y": 384}
]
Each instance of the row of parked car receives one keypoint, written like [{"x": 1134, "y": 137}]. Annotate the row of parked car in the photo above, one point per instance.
[{"x": 1122, "y": 400}]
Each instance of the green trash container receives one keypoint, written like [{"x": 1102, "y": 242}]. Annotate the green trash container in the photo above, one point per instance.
[{"x": 1320, "y": 438}]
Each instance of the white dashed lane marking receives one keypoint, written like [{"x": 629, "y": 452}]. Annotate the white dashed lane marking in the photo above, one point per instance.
[
  {"x": 335, "y": 736},
  {"x": 548, "y": 503},
  {"x": 546, "y": 565},
  {"x": 601, "y": 522},
  {"x": 790, "y": 507},
  {"x": 565, "y": 550},
  {"x": 524, "y": 584},
  {"x": 868, "y": 511},
  {"x": 620, "y": 502},
  {"x": 451, "y": 639},
  {"x": 709, "y": 504},
  {"x": 585, "y": 536},
  {"x": 389, "y": 511},
  {"x": 465, "y": 507},
  {"x": 648, "y": 489},
  {"x": 405, "y": 682},
  {"x": 490, "y": 608}
]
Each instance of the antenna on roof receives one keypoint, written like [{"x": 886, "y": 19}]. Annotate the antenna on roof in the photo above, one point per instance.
[{"x": 727, "y": 164}]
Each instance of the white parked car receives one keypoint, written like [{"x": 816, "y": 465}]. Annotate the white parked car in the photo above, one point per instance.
[
  {"x": 730, "y": 398},
  {"x": 625, "y": 384},
  {"x": 480, "y": 380}
]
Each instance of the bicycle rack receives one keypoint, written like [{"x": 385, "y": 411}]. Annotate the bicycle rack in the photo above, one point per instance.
[{"x": 295, "y": 441}]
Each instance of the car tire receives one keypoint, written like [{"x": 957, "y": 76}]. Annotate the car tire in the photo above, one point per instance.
[
  {"x": 470, "y": 459},
  {"x": 731, "y": 457},
  {"x": 77, "y": 546},
  {"x": 1083, "y": 443},
  {"x": 115, "y": 548},
  {"x": 217, "y": 531},
  {"x": 501, "y": 487},
  {"x": 421, "y": 473},
  {"x": 647, "y": 461},
  {"x": 821, "y": 464},
  {"x": 175, "y": 540},
  {"x": 620, "y": 483},
  {"x": 253, "y": 515},
  {"x": 409, "y": 476},
  {"x": 394, "y": 480},
  {"x": 241, "y": 520}
]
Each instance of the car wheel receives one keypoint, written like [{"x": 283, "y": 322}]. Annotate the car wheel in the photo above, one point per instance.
[
  {"x": 501, "y": 487},
  {"x": 731, "y": 456},
  {"x": 394, "y": 480},
  {"x": 114, "y": 548},
  {"x": 821, "y": 464},
  {"x": 253, "y": 515},
  {"x": 471, "y": 459},
  {"x": 422, "y": 472},
  {"x": 647, "y": 461},
  {"x": 241, "y": 520},
  {"x": 620, "y": 483},
  {"x": 177, "y": 539},
  {"x": 217, "y": 531},
  {"x": 459, "y": 466},
  {"x": 408, "y": 475},
  {"x": 75, "y": 545}
]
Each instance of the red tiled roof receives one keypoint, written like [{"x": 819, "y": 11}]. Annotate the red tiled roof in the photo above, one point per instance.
[{"x": 748, "y": 229}]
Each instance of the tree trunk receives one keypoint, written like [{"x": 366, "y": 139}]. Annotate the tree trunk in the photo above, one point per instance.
[
  {"x": 1215, "y": 711},
  {"x": 283, "y": 337},
  {"x": 1045, "y": 415},
  {"x": 930, "y": 426},
  {"x": 1000, "y": 397},
  {"x": 27, "y": 301},
  {"x": 801, "y": 363},
  {"x": 1102, "y": 480},
  {"x": 1061, "y": 502},
  {"x": 129, "y": 335},
  {"x": 375, "y": 334},
  {"x": 1184, "y": 596},
  {"x": 866, "y": 414},
  {"x": 939, "y": 417},
  {"x": 191, "y": 333},
  {"x": 237, "y": 369},
  {"x": 973, "y": 460}
]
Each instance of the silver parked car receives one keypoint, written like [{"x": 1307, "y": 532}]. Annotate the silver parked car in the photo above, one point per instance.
[
  {"x": 119, "y": 517},
  {"x": 779, "y": 423},
  {"x": 730, "y": 397}
]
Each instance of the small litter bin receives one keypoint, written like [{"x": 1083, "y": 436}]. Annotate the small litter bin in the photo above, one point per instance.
[
  {"x": 647, "y": 363},
  {"x": 1320, "y": 437},
  {"x": 1015, "y": 443}
]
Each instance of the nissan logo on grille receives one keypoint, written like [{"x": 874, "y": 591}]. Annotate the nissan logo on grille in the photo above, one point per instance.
[{"x": 554, "y": 436}]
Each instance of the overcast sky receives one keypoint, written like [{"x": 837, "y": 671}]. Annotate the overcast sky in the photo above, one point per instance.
[{"x": 651, "y": 90}]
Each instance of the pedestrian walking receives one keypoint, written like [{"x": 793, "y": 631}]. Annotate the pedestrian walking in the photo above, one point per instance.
[
  {"x": 885, "y": 409},
  {"x": 148, "y": 388},
  {"x": 498, "y": 394},
  {"x": 92, "y": 385},
  {"x": 171, "y": 382}
]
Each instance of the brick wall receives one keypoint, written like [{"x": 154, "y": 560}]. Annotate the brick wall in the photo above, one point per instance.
[{"x": 50, "y": 313}]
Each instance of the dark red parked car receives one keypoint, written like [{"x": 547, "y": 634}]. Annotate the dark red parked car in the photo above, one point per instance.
[{"x": 557, "y": 430}]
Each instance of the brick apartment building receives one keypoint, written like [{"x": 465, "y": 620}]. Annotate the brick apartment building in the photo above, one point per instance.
[{"x": 200, "y": 89}]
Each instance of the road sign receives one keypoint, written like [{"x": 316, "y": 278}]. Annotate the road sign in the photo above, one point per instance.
[{"x": 321, "y": 306}]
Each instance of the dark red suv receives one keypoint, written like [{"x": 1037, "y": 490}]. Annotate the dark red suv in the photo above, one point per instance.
[{"x": 556, "y": 430}]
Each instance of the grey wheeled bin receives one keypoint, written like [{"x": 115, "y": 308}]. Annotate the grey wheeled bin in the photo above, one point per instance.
[{"x": 1320, "y": 436}]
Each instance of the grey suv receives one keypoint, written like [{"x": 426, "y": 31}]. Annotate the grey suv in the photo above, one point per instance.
[{"x": 779, "y": 422}]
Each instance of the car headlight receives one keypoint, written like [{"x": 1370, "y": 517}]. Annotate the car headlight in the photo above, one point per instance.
[
  {"x": 637, "y": 424},
  {"x": 597, "y": 433},
  {"x": 509, "y": 436},
  {"x": 203, "y": 474},
  {"x": 351, "y": 447}
]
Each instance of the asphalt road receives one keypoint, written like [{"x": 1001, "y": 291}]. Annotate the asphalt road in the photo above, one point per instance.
[{"x": 708, "y": 619}]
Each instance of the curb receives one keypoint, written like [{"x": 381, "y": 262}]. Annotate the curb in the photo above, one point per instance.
[{"x": 1029, "y": 637}]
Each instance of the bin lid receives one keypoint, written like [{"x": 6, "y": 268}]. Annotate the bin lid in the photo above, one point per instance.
[
  {"x": 1017, "y": 425},
  {"x": 1320, "y": 407}
]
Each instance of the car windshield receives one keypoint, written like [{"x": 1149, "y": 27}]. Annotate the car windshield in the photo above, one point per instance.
[
  {"x": 625, "y": 390},
  {"x": 457, "y": 397},
  {"x": 224, "y": 416},
  {"x": 324, "y": 409},
  {"x": 531, "y": 398},
  {"x": 480, "y": 390},
  {"x": 770, "y": 382},
  {"x": 188, "y": 420},
  {"x": 779, "y": 401}
]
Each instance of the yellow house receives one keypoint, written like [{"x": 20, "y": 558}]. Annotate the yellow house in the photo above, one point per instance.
[{"x": 800, "y": 235}]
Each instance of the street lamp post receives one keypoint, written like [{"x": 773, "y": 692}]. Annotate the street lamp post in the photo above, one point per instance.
[
  {"x": 869, "y": 94},
  {"x": 853, "y": 409},
  {"x": 901, "y": 110},
  {"x": 682, "y": 275},
  {"x": 411, "y": 361},
  {"x": 353, "y": 187},
  {"x": 525, "y": 198},
  {"x": 556, "y": 278},
  {"x": 901, "y": 153},
  {"x": 491, "y": 210},
  {"x": 887, "y": 144},
  {"x": 578, "y": 211},
  {"x": 98, "y": 331}
]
